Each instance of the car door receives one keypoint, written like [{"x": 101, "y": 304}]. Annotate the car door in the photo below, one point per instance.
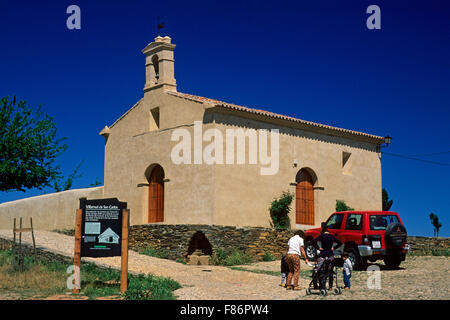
[
  {"x": 352, "y": 230},
  {"x": 334, "y": 224}
]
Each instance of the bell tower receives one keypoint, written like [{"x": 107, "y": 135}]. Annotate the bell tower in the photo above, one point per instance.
[{"x": 159, "y": 65}]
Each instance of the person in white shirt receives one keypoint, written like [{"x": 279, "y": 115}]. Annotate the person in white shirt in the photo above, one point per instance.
[{"x": 293, "y": 259}]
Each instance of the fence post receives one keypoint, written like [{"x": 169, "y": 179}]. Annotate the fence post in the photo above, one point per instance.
[
  {"x": 34, "y": 242},
  {"x": 14, "y": 253}
]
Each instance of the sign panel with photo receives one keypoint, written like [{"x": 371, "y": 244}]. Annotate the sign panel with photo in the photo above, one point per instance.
[{"x": 101, "y": 227}]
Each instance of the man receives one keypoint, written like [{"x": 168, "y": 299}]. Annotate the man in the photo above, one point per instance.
[{"x": 293, "y": 259}]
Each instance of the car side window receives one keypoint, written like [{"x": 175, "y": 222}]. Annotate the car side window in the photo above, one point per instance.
[
  {"x": 380, "y": 222},
  {"x": 354, "y": 222},
  {"x": 335, "y": 221}
]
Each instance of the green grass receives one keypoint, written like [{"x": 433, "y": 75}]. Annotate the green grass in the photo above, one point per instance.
[
  {"x": 157, "y": 253},
  {"x": 50, "y": 277},
  {"x": 180, "y": 260}
]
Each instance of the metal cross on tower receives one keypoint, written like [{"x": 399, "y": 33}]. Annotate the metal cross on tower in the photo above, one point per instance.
[{"x": 160, "y": 25}]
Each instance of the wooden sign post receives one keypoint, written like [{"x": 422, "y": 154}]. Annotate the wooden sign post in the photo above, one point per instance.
[
  {"x": 124, "y": 264},
  {"x": 101, "y": 230},
  {"x": 77, "y": 252}
]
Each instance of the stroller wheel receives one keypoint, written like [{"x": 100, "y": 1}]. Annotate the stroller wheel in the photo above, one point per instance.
[
  {"x": 308, "y": 291},
  {"x": 337, "y": 291},
  {"x": 323, "y": 292}
]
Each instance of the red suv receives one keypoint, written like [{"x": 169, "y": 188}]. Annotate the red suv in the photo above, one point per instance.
[{"x": 366, "y": 236}]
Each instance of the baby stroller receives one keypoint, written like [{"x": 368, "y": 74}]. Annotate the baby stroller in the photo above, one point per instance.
[{"x": 320, "y": 274}]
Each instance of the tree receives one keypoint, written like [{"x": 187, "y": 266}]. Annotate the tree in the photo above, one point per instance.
[
  {"x": 68, "y": 183},
  {"x": 96, "y": 183},
  {"x": 387, "y": 204},
  {"x": 436, "y": 224},
  {"x": 342, "y": 206},
  {"x": 69, "y": 180},
  {"x": 279, "y": 211},
  {"x": 28, "y": 147}
]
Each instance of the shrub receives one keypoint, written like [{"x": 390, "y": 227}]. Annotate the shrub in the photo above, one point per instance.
[
  {"x": 150, "y": 288},
  {"x": 218, "y": 257},
  {"x": 238, "y": 257},
  {"x": 440, "y": 252},
  {"x": 268, "y": 256},
  {"x": 279, "y": 211},
  {"x": 342, "y": 206},
  {"x": 387, "y": 203},
  {"x": 235, "y": 257}
]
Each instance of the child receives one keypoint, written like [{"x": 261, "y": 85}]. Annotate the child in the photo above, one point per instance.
[
  {"x": 347, "y": 270},
  {"x": 284, "y": 271},
  {"x": 319, "y": 262}
]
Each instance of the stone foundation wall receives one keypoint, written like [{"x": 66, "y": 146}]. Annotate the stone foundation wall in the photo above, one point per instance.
[
  {"x": 41, "y": 253},
  {"x": 428, "y": 245},
  {"x": 175, "y": 239}
]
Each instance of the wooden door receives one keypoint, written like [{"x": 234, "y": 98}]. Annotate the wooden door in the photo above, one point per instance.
[
  {"x": 156, "y": 195},
  {"x": 304, "y": 199}
]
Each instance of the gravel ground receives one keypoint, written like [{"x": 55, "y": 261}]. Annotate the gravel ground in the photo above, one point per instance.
[{"x": 421, "y": 278}]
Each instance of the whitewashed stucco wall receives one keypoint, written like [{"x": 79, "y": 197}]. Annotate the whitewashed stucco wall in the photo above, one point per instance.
[{"x": 49, "y": 211}]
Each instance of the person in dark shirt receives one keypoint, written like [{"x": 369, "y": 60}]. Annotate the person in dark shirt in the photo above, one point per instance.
[
  {"x": 327, "y": 241},
  {"x": 284, "y": 271}
]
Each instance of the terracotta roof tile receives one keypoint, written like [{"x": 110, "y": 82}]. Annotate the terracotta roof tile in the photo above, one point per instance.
[{"x": 270, "y": 114}]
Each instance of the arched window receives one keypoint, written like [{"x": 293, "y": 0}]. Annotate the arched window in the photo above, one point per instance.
[{"x": 155, "y": 62}]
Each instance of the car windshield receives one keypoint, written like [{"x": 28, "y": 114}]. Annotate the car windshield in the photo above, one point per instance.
[{"x": 380, "y": 222}]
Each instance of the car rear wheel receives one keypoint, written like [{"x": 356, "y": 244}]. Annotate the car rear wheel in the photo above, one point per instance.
[{"x": 393, "y": 262}]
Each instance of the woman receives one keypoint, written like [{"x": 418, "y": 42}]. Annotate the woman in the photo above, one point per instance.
[
  {"x": 293, "y": 259},
  {"x": 327, "y": 241}
]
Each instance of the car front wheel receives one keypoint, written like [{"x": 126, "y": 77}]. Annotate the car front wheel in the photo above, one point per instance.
[
  {"x": 310, "y": 251},
  {"x": 355, "y": 258}
]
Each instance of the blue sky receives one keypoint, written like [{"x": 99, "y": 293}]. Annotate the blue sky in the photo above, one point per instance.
[{"x": 315, "y": 60}]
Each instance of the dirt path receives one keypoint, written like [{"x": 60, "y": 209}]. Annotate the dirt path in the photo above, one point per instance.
[{"x": 419, "y": 277}]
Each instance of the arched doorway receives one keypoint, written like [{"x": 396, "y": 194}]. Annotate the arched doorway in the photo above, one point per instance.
[
  {"x": 304, "y": 198},
  {"x": 156, "y": 195},
  {"x": 199, "y": 242}
]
